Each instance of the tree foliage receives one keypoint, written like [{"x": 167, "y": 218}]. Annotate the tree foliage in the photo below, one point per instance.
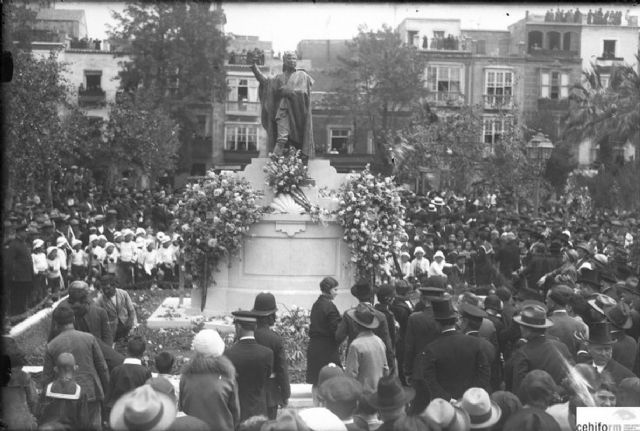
[
  {"x": 38, "y": 138},
  {"x": 174, "y": 45},
  {"x": 448, "y": 140},
  {"x": 382, "y": 82},
  {"x": 139, "y": 133}
]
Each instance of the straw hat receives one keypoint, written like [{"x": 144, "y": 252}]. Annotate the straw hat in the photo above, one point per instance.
[{"x": 143, "y": 408}]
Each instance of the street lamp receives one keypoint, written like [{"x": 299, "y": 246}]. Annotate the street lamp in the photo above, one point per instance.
[{"x": 539, "y": 150}]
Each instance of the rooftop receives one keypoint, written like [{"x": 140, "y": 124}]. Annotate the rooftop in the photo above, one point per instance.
[{"x": 60, "y": 15}]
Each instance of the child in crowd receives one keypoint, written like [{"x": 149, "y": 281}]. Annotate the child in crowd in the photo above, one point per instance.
[
  {"x": 164, "y": 364},
  {"x": 130, "y": 374},
  {"x": 39, "y": 259},
  {"x": 54, "y": 274},
  {"x": 111, "y": 259},
  {"x": 63, "y": 402},
  {"x": 79, "y": 261}
]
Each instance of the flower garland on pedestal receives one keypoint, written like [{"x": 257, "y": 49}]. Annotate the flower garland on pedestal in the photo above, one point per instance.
[
  {"x": 286, "y": 174},
  {"x": 214, "y": 214},
  {"x": 373, "y": 218}
]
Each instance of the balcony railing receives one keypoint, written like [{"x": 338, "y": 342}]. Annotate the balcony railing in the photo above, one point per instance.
[
  {"x": 443, "y": 98},
  {"x": 246, "y": 59},
  {"x": 503, "y": 101},
  {"x": 241, "y": 107},
  {"x": 91, "y": 97},
  {"x": 555, "y": 53},
  {"x": 443, "y": 44}
]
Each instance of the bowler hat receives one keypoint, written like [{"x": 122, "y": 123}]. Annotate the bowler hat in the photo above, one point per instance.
[
  {"x": 443, "y": 309},
  {"x": 533, "y": 316},
  {"x": 364, "y": 316},
  {"x": 600, "y": 333},
  {"x": 264, "y": 304},
  {"x": 390, "y": 394},
  {"x": 561, "y": 294},
  {"x": 493, "y": 302},
  {"x": 362, "y": 290},
  {"x": 589, "y": 276}
]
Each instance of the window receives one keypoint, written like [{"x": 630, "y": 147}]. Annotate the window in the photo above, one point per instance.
[
  {"x": 609, "y": 49},
  {"x": 243, "y": 90},
  {"x": 241, "y": 138},
  {"x": 535, "y": 40},
  {"x": 93, "y": 80},
  {"x": 481, "y": 47},
  {"x": 554, "y": 85},
  {"x": 340, "y": 140},
  {"x": 566, "y": 41},
  {"x": 412, "y": 37},
  {"x": 498, "y": 87},
  {"x": 444, "y": 79},
  {"x": 492, "y": 129},
  {"x": 202, "y": 127},
  {"x": 554, "y": 40}
]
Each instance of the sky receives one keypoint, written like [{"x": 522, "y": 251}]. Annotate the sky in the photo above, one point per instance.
[{"x": 285, "y": 24}]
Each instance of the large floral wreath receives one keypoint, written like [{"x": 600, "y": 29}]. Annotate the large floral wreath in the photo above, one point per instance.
[
  {"x": 214, "y": 214},
  {"x": 373, "y": 218},
  {"x": 286, "y": 174}
]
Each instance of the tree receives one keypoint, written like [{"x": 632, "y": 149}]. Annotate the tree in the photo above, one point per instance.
[
  {"x": 139, "y": 134},
  {"x": 177, "y": 49},
  {"x": 449, "y": 140},
  {"x": 38, "y": 138},
  {"x": 382, "y": 84}
]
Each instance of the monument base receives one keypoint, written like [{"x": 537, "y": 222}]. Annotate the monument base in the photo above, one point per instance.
[{"x": 285, "y": 254}]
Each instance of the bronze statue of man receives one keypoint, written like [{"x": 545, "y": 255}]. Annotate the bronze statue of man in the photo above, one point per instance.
[{"x": 286, "y": 107}]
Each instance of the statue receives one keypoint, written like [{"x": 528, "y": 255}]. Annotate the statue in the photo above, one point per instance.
[{"x": 286, "y": 107}]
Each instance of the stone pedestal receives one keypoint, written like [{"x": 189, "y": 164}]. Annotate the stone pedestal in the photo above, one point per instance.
[{"x": 286, "y": 254}]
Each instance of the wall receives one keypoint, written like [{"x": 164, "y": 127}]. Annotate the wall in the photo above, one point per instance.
[
  {"x": 593, "y": 35},
  {"x": 496, "y": 42},
  {"x": 426, "y": 27},
  {"x": 323, "y": 54}
]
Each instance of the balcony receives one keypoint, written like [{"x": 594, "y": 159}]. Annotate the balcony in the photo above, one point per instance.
[
  {"x": 91, "y": 98},
  {"x": 443, "y": 98},
  {"x": 443, "y": 44},
  {"x": 497, "y": 102},
  {"x": 554, "y": 53},
  {"x": 547, "y": 104},
  {"x": 242, "y": 108}
]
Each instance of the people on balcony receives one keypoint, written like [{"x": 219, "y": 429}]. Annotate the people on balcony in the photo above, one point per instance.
[
  {"x": 250, "y": 57},
  {"x": 449, "y": 43}
]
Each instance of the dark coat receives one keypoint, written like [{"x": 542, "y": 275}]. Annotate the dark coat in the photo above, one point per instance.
[
  {"x": 508, "y": 258},
  {"x": 278, "y": 387},
  {"x": 94, "y": 321},
  {"x": 618, "y": 372},
  {"x": 188, "y": 423},
  {"x": 625, "y": 349},
  {"x": 422, "y": 329},
  {"x": 564, "y": 326},
  {"x": 453, "y": 363},
  {"x": 493, "y": 356},
  {"x": 634, "y": 331},
  {"x": 92, "y": 374},
  {"x": 401, "y": 311},
  {"x": 390, "y": 321},
  {"x": 540, "y": 353},
  {"x": 323, "y": 347},
  {"x": 208, "y": 391},
  {"x": 125, "y": 378},
  {"x": 18, "y": 264},
  {"x": 253, "y": 364}
]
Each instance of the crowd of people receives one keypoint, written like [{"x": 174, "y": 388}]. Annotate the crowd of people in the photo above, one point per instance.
[
  {"x": 253, "y": 56},
  {"x": 597, "y": 17},
  {"x": 485, "y": 319}
]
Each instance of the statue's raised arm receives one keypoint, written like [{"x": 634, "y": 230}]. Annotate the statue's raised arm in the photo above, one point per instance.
[{"x": 286, "y": 107}]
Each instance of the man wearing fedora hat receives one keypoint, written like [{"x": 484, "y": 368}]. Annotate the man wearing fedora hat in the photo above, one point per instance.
[
  {"x": 18, "y": 269},
  {"x": 366, "y": 359},
  {"x": 453, "y": 362},
  {"x": 539, "y": 352},
  {"x": 390, "y": 399},
  {"x": 253, "y": 363},
  {"x": 470, "y": 323},
  {"x": 625, "y": 348},
  {"x": 348, "y": 329},
  {"x": 600, "y": 349},
  {"x": 631, "y": 295},
  {"x": 143, "y": 409},
  {"x": 278, "y": 387},
  {"x": 564, "y": 325}
]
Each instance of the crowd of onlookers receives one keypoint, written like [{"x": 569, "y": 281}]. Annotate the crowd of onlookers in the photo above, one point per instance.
[
  {"x": 484, "y": 318},
  {"x": 598, "y": 17},
  {"x": 248, "y": 57}
]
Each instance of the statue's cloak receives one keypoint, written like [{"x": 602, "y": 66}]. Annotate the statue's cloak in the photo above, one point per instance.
[{"x": 297, "y": 106}]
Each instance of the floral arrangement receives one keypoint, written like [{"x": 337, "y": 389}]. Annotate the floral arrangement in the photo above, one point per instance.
[
  {"x": 286, "y": 174},
  {"x": 214, "y": 214},
  {"x": 372, "y": 215}
]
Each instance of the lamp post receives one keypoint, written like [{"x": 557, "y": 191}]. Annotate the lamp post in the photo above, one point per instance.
[{"x": 539, "y": 150}]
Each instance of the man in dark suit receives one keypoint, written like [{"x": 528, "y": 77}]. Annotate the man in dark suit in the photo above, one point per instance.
[
  {"x": 348, "y": 329},
  {"x": 538, "y": 352},
  {"x": 470, "y": 322},
  {"x": 564, "y": 326},
  {"x": 92, "y": 375},
  {"x": 453, "y": 362},
  {"x": 18, "y": 270},
  {"x": 599, "y": 347},
  {"x": 625, "y": 348},
  {"x": 278, "y": 387},
  {"x": 253, "y": 363},
  {"x": 401, "y": 308}
]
